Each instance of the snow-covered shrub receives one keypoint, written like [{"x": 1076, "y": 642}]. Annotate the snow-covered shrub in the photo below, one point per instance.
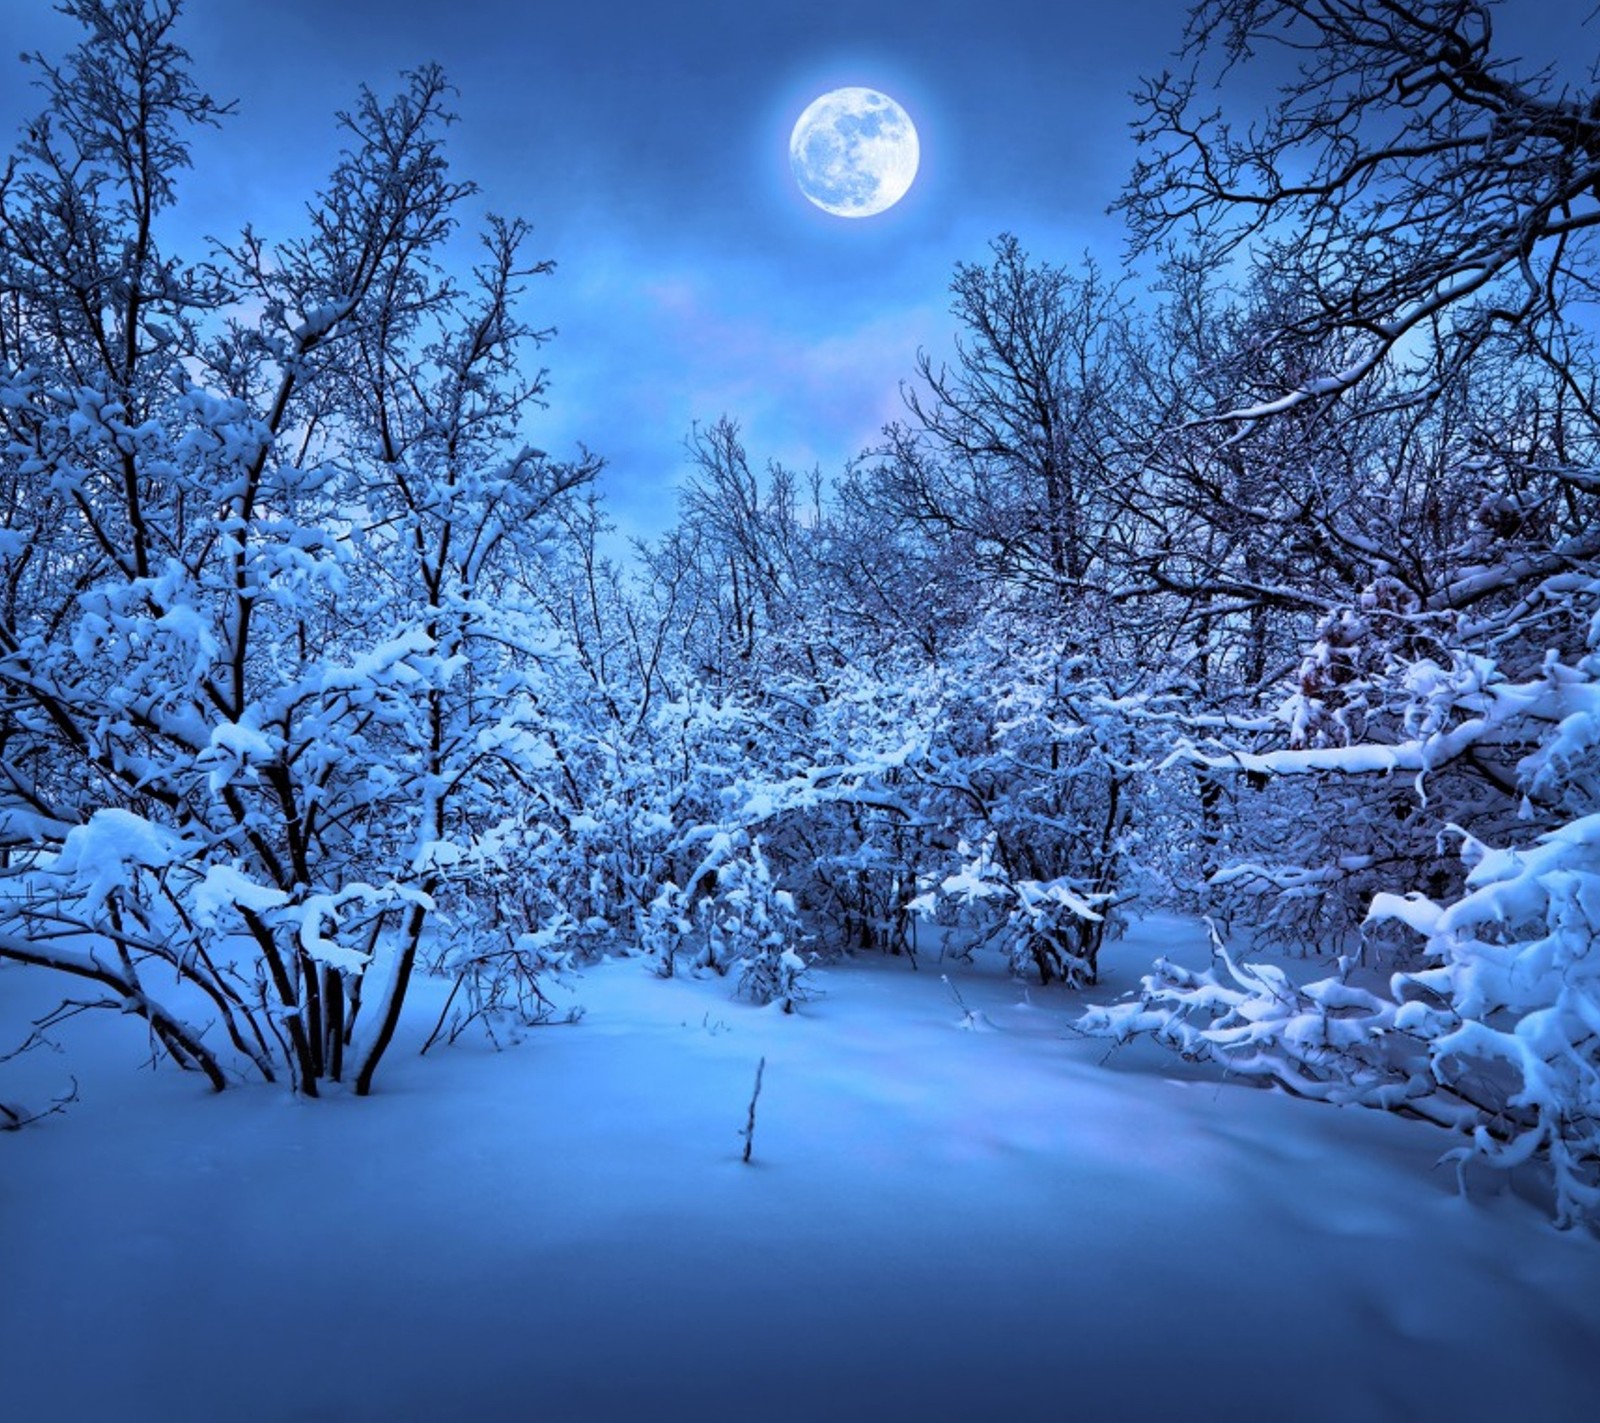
[
  {"x": 1321, "y": 821},
  {"x": 741, "y": 921},
  {"x": 732, "y": 917},
  {"x": 756, "y": 926},
  {"x": 1036, "y": 772},
  {"x": 1049, "y": 928},
  {"x": 1509, "y": 1004},
  {"x": 842, "y": 815},
  {"x": 1496, "y": 1033},
  {"x": 270, "y": 664},
  {"x": 1324, "y": 1040},
  {"x": 501, "y": 981},
  {"x": 665, "y": 928}
]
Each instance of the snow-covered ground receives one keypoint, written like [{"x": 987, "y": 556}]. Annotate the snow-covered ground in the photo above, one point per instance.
[{"x": 947, "y": 1216}]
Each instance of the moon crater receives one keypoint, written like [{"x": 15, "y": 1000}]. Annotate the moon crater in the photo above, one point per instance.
[{"x": 854, "y": 152}]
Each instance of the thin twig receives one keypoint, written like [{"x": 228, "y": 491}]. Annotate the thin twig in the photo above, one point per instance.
[{"x": 749, "y": 1132}]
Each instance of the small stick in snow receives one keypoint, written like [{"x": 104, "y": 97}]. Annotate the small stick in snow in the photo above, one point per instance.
[
  {"x": 970, "y": 1017},
  {"x": 955, "y": 993},
  {"x": 749, "y": 1131}
]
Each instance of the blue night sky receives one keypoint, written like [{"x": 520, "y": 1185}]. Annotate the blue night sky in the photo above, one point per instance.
[{"x": 647, "y": 143}]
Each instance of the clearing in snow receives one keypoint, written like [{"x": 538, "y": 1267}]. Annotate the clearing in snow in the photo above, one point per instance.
[{"x": 953, "y": 1209}]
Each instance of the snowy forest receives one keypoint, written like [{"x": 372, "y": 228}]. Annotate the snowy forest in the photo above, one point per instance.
[{"x": 1257, "y": 585}]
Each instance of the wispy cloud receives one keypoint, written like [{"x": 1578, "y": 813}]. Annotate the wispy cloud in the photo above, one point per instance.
[{"x": 646, "y": 352}]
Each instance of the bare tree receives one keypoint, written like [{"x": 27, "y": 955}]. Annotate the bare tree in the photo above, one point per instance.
[
  {"x": 1015, "y": 449},
  {"x": 1420, "y": 191}
]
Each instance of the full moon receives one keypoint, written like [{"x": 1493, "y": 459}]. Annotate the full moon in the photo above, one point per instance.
[{"x": 854, "y": 152}]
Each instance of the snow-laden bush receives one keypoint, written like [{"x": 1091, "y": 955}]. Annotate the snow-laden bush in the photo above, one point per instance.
[
  {"x": 1323, "y": 824},
  {"x": 732, "y": 918},
  {"x": 1035, "y": 772},
  {"x": 748, "y": 924},
  {"x": 1496, "y": 1035},
  {"x": 1324, "y": 1040},
  {"x": 1048, "y": 927},
  {"x": 1509, "y": 1006},
  {"x": 272, "y": 676}
]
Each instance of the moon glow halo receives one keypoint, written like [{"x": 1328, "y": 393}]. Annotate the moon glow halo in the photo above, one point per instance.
[{"x": 854, "y": 152}]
